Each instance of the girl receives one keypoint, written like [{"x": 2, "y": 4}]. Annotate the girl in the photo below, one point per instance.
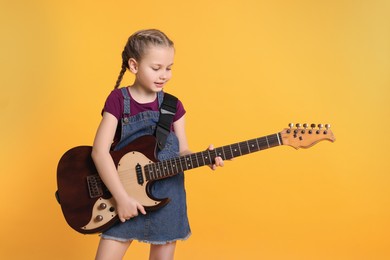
[{"x": 129, "y": 113}]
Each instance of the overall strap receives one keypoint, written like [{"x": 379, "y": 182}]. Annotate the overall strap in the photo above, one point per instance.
[
  {"x": 126, "y": 100},
  {"x": 167, "y": 112}
]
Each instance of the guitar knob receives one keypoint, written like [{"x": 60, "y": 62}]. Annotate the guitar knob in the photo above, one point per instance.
[
  {"x": 298, "y": 125},
  {"x": 305, "y": 125},
  {"x": 103, "y": 206},
  {"x": 99, "y": 218},
  {"x": 327, "y": 126}
]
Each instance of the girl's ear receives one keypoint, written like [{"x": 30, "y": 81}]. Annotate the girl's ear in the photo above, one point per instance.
[{"x": 133, "y": 65}]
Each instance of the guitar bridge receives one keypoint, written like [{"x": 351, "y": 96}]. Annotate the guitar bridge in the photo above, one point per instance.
[{"x": 95, "y": 186}]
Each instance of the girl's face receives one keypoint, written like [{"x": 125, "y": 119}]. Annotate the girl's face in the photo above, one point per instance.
[{"x": 153, "y": 70}]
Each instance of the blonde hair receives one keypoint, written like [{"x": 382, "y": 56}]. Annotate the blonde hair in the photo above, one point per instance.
[{"x": 137, "y": 44}]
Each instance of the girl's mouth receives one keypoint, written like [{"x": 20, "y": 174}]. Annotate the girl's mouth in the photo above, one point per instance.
[{"x": 159, "y": 84}]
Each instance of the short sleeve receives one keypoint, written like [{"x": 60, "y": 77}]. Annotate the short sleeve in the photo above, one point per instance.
[
  {"x": 180, "y": 111},
  {"x": 114, "y": 104}
]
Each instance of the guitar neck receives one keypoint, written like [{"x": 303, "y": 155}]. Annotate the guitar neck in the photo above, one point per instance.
[{"x": 170, "y": 167}]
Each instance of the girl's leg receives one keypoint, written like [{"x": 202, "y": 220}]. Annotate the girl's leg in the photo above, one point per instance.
[
  {"x": 162, "y": 252},
  {"x": 111, "y": 249}
]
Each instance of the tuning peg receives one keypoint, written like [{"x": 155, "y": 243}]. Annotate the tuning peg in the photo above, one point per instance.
[
  {"x": 303, "y": 131},
  {"x": 327, "y": 126},
  {"x": 291, "y": 125},
  {"x": 297, "y": 129},
  {"x": 319, "y": 128},
  {"x": 312, "y": 128}
]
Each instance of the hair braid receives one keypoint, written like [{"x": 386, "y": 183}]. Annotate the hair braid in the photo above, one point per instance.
[{"x": 120, "y": 76}]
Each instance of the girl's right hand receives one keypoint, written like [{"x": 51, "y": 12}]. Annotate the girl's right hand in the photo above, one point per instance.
[{"x": 128, "y": 208}]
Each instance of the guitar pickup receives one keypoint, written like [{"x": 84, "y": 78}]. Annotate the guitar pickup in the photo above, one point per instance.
[
  {"x": 138, "y": 170},
  {"x": 95, "y": 186}
]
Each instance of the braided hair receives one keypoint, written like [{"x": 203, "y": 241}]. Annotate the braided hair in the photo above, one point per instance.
[{"x": 136, "y": 46}]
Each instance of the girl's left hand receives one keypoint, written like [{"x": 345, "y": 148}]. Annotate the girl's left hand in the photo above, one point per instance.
[{"x": 218, "y": 161}]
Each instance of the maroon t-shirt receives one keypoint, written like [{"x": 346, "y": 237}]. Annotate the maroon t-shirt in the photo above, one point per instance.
[{"x": 115, "y": 103}]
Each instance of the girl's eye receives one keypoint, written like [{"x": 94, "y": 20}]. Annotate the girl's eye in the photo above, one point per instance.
[{"x": 155, "y": 69}]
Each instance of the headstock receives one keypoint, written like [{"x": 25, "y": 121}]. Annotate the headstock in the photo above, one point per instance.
[{"x": 305, "y": 136}]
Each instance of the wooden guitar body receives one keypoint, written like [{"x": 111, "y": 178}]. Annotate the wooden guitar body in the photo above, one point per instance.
[{"x": 86, "y": 203}]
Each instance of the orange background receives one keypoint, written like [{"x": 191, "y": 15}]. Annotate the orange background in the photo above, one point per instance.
[{"x": 243, "y": 69}]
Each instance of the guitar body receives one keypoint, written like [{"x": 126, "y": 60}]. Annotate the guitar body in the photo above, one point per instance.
[{"x": 86, "y": 203}]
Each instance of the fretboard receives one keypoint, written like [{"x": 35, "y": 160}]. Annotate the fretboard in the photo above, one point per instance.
[{"x": 170, "y": 167}]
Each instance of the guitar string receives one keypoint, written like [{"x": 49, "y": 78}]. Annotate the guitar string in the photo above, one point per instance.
[{"x": 245, "y": 147}]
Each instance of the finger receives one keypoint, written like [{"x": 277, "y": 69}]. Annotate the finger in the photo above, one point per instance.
[
  {"x": 141, "y": 209},
  {"x": 219, "y": 161},
  {"x": 211, "y": 147}
]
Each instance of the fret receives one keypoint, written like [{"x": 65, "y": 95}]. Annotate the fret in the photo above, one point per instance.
[
  {"x": 182, "y": 163},
  {"x": 201, "y": 156},
  {"x": 146, "y": 171},
  {"x": 253, "y": 147},
  {"x": 244, "y": 147},
  {"x": 213, "y": 154},
  {"x": 274, "y": 140},
  {"x": 179, "y": 167},
  {"x": 194, "y": 161},
  {"x": 231, "y": 152},
  {"x": 239, "y": 148},
  {"x": 196, "y": 157},
  {"x": 158, "y": 171},
  {"x": 162, "y": 172},
  {"x": 219, "y": 151},
  {"x": 154, "y": 174},
  {"x": 150, "y": 171},
  {"x": 188, "y": 162},
  {"x": 228, "y": 152},
  {"x": 236, "y": 150},
  {"x": 266, "y": 138},
  {"x": 174, "y": 166},
  {"x": 207, "y": 157},
  {"x": 165, "y": 167},
  {"x": 169, "y": 166},
  {"x": 262, "y": 143}
]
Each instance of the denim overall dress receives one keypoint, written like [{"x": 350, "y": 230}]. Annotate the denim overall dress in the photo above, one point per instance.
[{"x": 169, "y": 223}]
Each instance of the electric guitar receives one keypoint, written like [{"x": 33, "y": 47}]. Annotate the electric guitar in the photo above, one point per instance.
[{"x": 89, "y": 207}]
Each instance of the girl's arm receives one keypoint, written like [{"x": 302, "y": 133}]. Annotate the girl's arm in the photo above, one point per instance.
[
  {"x": 127, "y": 207},
  {"x": 179, "y": 127}
]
